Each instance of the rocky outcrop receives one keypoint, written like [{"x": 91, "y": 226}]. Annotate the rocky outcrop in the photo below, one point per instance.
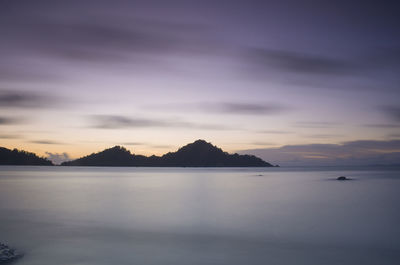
[{"x": 8, "y": 254}]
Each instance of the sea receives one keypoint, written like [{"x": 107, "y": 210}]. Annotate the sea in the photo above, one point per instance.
[{"x": 189, "y": 216}]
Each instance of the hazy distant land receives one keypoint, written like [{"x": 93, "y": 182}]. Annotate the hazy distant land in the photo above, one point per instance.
[{"x": 197, "y": 154}]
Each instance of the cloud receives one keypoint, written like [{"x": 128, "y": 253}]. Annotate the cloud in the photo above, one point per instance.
[
  {"x": 105, "y": 33},
  {"x": 9, "y": 98},
  {"x": 250, "y": 108},
  {"x": 132, "y": 143},
  {"x": 234, "y": 108},
  {"x": 57, "y": 158},
  {"x": 18, "y": 71},
  {"x": 297, "y": 62},
  {"x": 146, "y": 144},
  {"x": 126, "y": 31},
  {"x": 9, "y": 120},
  {"x": 373, "y": 145},
  {"x": 370, "y": 68},
  {"x": 384, "y": 58},
  {"x": 261, "y": 143},
  {"x": 117, "y": 122},
  {"x": 25, "y": 99},
  {"x": 315, "y": 124},
  {"x": 362, "y": 152},
  {"x": 44, "y": 142},
  {"x": 86, "y": 34},
  {"x": 96, "y": 41},
  {"x": 274, "y": 132},
  {"x": 378, "y": 58},
  {"x": 392, "y": 112},
  {"x": 9, "y": 136},
  {"x": 382, "y": 125},
  {"x": 323, "y": 136},
  {"x": 160, "y": 146},
  {"x": 121, "y": 122}
]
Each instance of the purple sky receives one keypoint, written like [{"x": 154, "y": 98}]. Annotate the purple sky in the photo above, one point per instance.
[{"x": 280, "y": 79}]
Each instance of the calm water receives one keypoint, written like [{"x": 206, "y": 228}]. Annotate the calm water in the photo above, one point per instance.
[{"x": 59, "y": 215}]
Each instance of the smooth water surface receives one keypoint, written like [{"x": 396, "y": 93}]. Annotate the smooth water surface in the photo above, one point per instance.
[{"x": 78, "y": 215}]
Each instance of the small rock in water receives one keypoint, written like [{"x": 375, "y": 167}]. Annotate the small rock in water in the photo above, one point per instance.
[
  {"x": 8, "y": 254},
  {"x": 342, "y": 178}
]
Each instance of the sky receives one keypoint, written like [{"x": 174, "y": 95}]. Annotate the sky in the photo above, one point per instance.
[{"x": 295, "y": 82}]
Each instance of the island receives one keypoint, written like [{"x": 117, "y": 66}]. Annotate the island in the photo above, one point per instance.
[
  {"x": 20, "y": 157},
  {"x": 197, "y": 154}
]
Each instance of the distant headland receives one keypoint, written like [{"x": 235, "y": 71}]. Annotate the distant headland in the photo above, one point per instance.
[
  {"x": 18, "y": 157},
  {"x": 197, "y": 154}
]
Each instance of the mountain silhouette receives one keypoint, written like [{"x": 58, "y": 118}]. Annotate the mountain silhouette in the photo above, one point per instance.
[
  {"x": 197, "y": 154},
  {"x": 19, "y": 157}
]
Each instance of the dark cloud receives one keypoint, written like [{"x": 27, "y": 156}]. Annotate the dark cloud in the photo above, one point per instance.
[
  {"x": 19, "y": 72},
  {"x": 121, "y": 122},
  {"x": 382, "y": 125},
  {"x": 10, "y": 136},
  {"x": 9, "y": 120},
  {"x": 315, "y": 124},
  {"x": 375, "y": 58},
  {"x": 96, "y": 41},
  {"x": 250, "y": 108},
  {"x": 117, "y": 122},
  {"x": 57, "y": 158},
  {"x": 24, "y": 99},
  {"x": 234, "y": 108},
  {"x": 363, "y": 152},
  {"x": 373, "y": 145},
  {"x": 297, "y": 62},
  {"x": 71, "y": 34},
  {"x": 145, "y": 32},
  {"x": 323, "y": 136},
  {"x": 384, "y": 58},
  {"x": 105, "y": 33},
  {"x": 392, "y": 111},
  {"x": 369, "y": 68}
]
